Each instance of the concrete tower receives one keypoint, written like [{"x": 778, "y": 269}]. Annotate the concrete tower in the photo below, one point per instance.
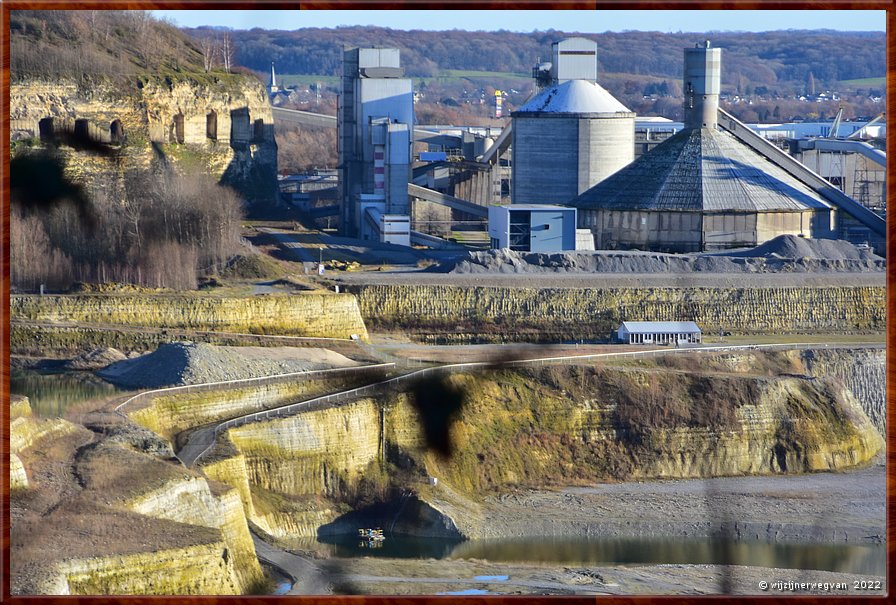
[
  {"x": 702, "y": 81},
  {"x": 375, "y": 120},
  {"x": 571, "y": 135}
]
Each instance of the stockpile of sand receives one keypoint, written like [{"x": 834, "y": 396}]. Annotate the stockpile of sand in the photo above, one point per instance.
[
  {"x": 785, "y": 253},
  {"x": 194, "y": 363}
]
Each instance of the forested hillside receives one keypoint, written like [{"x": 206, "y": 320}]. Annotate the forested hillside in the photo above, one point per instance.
[{"x": 774, "y": 59}]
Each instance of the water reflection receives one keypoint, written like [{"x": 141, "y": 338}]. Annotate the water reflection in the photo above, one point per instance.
[
  {"x": 857, "y": 559},
  {"x": 399, "y": 547},
  {"x": 51, "y": 395}
]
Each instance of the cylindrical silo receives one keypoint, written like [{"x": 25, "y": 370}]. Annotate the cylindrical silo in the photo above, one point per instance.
[
  {"x": 702, "y": 84},
  {"x": 567, "y": 139}
]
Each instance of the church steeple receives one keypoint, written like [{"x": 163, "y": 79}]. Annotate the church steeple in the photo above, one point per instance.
[{"x": 273, "y": 87}]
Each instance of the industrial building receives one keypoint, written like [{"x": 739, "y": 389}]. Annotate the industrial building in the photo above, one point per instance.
[
  {"x": 659, "y": 332},
  {"x": 530, "y": 228},
  {"x": 856, "y": 168},
  {"x": 375, "y": 138},
  {"x": 572, "y": 134},
  {"x": 716, "y": 185}
]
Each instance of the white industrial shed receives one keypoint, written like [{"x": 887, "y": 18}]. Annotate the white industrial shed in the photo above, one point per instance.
[{"x": 659, "y": 332}]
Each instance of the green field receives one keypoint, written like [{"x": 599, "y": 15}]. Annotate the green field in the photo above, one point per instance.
[
  {"x": 287, "y": 80},
  {"x": 881, "y": 81}
]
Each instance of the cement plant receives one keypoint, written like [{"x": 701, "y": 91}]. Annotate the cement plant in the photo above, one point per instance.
[{"x": 558, "y": 349}]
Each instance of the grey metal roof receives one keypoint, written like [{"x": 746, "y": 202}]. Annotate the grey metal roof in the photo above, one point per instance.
[
  {"x": 660, "y": 327},
  {"x": 701, "y": 169},
  {"x": 574, "y": 96}
]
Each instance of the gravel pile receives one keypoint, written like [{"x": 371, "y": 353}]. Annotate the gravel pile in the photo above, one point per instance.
[
  {"x": 785, "y": 253},
  {"x": 791, "y": 246},
  {"x": 95, "y": 359},
  {"x": 182, "y": 363}
]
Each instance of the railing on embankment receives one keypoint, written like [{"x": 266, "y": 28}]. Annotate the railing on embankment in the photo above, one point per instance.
[
  {"x": 379, "y": 387},
  {"x": 242, "y": 382}
]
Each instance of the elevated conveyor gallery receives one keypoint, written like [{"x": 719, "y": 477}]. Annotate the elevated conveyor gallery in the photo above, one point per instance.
[
  {"x": 447, "y": 200},
  {"x": 840, "y": 200}
]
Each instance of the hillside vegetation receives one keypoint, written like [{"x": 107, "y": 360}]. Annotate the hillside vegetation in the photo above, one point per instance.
[
  {"x": 777, "y": 58},
  {"x": 457, "y": 72},
  {"x": 97, "y": 44}
]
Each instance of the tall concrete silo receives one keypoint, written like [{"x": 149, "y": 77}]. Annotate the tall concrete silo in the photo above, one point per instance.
[{"x": 567, "y": 139}]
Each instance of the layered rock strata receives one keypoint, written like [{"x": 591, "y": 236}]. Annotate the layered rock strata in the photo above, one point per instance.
[
  {"x": 319, "y": 315},
  {"x": 458, "y": 313}
]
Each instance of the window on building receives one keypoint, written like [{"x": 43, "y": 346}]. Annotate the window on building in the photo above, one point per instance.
[{"x": 520, "y": 231}]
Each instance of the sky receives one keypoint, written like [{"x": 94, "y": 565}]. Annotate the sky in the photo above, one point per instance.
[{"x": 528, "y": 21}]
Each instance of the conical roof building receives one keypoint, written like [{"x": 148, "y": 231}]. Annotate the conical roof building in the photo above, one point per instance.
[{"x": 704, "y": 188}]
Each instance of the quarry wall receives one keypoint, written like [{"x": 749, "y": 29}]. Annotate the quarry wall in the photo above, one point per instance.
[
  {"x": 554, "y": 427},
  {"x": 320, "y": 315},
  {"x": 455, "y": 313},
  {"x": 862, "y": 371}
]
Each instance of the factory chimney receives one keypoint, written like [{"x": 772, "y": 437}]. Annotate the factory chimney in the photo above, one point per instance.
[{"x": 702, "y": 80}]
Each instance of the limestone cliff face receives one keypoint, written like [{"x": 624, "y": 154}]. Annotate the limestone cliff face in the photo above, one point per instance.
[
  {"x": 293, "y": 471},
  {"x": 18, "y": 477},
  {"x": 772, "y": 438},
  {"x": 459, "y": 313},
  {"x": 326, "y": 315},
  {"x": 232, "y": 471},
  {"x": 168, "y": 415},
  {"x": 862, "y": 371},
  {"x": 557, "y": 426},
  {"x": 210, "y": 518},
  {"x": 223, "y": 124},
  {"x": 321, "y": 452},
  {"x": 194, "y": 570},
  {"x": 191, "y": 501}
]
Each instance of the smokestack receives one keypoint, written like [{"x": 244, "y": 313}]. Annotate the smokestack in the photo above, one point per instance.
[{"x": 702, "y": 81}]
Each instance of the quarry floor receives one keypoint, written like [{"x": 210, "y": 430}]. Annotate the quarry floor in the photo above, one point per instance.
[{"x": 820, "y": 507}]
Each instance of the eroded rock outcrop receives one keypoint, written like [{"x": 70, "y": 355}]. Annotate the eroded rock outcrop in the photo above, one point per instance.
[
  {"x": 125, "y": 521},
  {"x": 223, "y": 126}
]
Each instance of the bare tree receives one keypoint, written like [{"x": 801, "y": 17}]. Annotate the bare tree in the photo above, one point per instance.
[
  {"x": 227, "y": 51},
  {"x": 209, "y": 49}
]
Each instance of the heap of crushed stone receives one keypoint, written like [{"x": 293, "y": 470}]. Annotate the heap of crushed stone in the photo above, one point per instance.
[
  {"x": 793, "y": 247},
  {"x": 181, "y": 363},
  {"x": 785, "y": 253}
]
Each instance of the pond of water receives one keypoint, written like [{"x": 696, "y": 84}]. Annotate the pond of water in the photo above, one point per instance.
[
  {"x": 855, "y": 559},
  {"x": 52, "y": 394}
]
